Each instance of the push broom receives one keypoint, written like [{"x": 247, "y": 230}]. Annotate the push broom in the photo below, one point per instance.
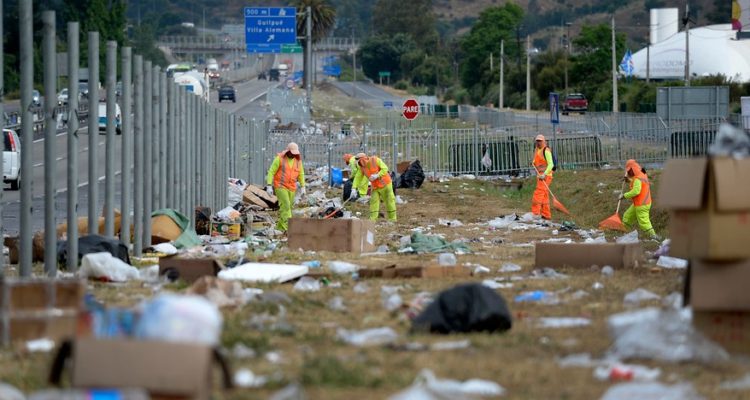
[
  {"x": 614, "y": 222},
  {"x": 555, "y": 203}
]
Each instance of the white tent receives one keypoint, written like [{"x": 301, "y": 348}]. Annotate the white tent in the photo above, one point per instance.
[{"x": 714, "y": 49}]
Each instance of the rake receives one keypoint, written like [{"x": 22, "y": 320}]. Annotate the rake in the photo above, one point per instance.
[{"x": 614, "y": 222}]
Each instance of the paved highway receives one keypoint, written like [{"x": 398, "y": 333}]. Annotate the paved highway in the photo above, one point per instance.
[{"x": 366, "y": 91}]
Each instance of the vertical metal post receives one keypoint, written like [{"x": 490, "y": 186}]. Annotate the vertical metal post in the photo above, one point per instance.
[
  {"x": 395, "y": 145},
  {"x": 528, "y": 73},
  {"x": 615, "y": 100},
  {"x": 190, "y": 159},
  {"x": 148, "y": 181},
  {"x": 308, "y": 58},
  {"x": 171, "y": 181},
  {"x": 109, "y": 169},
  {"x": 138, "y": 158},
  {"x": 475, "y": 148},
  {"x": 163, "y": 150},
  {"x": 501, "y": 94},
  {"x": 50, "y": 141},
  {"x": 27, "y": 134},
  {"x": 182, "y": 137},
  {"x": 72, "y": 167},
  {"x": 2, "y": 115},
  {"x": 201, "y": 152},
  {"x": 93, "y": 121},
  {"x": 155, "y": 138},
  {"x": 127, "y": 145}
]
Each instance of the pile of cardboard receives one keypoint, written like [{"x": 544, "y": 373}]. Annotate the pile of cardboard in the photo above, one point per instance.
[
  {"x": 709, "y": 224},
  {"x": 257, "y": 196}
]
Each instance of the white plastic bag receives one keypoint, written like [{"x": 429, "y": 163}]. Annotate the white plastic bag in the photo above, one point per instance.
[{"x": 107, "y": 267}]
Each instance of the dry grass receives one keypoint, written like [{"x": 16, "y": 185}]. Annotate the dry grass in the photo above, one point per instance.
[{"x": 522, "y": 360}]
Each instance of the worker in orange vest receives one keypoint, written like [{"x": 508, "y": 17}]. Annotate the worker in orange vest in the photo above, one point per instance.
[
  {"x": 284, "y": 174},
  {"x": 543, "y": 165},
  {"x": 359, "y": 182},
  {"x": 640, "y": 193},
  {"x": 374, "y": 169}
]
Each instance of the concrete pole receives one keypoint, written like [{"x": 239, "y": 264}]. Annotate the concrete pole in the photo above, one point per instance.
[
  {"x": 138, "y": 159},
  {"x": 648, "y": 62},
  {"x": 687, "y": 44},
  {"x": 528, "y": 73},
  {"x": 182, "y": 155},
  {"x": 109, "y": 169},
  {"x": 2, "y": 113},
  {"x": 93, "y": 122},
  {"x": 50, "y": 141},
  {"x": 72, "y": 167},
  {"x": 170, "y": 164},
  {"x": 308, "y": 50},
  {"x": 127, "y": 144},
  {"x": 148, "y": 131},
  {"x": 27, "y": 134},
  {"x": 501, "y": 95},
  {"x": 615, "y": 100},
  {"x": 155, "y": 139},
  {"x": 163, "y": 150}
]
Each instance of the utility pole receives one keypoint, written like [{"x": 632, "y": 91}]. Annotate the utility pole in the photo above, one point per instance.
[
  {"x": 528, "y": 73},
  {"x": 567, "y": 55},
  {"x": 502, "y": 75},
  {"x": 492, "y": 68},
  {"x": 308, "y": 57},
  {"x": 648, "y": 62},
  {"x": 686, "y": 22},
  {"x": 615, "y": 100}
]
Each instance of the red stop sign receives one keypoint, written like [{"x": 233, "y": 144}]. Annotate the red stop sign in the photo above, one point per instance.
[{"x": 410, "y": 109}]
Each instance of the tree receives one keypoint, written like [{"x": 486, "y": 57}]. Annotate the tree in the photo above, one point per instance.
[
  {"x": 391, "y": 17},
  {"x": 323, "y": 20},
  {"x": 494, "y": 24},
  {"x": 384, "y": 53},
  {"x": 592, "y": 64}
]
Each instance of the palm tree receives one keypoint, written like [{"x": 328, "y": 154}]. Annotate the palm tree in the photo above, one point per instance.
[{"x": 323, "y": 19}]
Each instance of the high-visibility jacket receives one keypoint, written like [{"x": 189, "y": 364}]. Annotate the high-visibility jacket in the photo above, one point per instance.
[
  {"x": 543, "y": 161},
  {"x": 288, "y": 172},
  {"x": 374, "y": 165},
  {"x": 640, "y": 191}
]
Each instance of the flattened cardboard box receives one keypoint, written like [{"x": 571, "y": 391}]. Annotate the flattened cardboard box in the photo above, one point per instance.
[
  {"x": 189, "y": 269},
  {"x": 424, "y": 271},
  {"x": 709, "y": 204},
  {"x": 729, "y": 329},
  {"x": 720, "y": 286},
  {"x": 336, "y": 235},
  {"x": 173, "y": 370},
  {"x": 584, "y": 255}
]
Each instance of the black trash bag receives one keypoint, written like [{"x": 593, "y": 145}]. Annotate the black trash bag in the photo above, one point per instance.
[
  {"x": 413, "y": 177},
  {"x": 465, "y": 308},
  {"x": 347, "y": 189},
  {"x": 337, "y": 213},
  {"x": 94, "y": 244}
]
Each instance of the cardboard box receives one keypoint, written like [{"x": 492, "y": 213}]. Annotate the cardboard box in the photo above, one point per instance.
[
  {"x": 232, "y": 230},
  {"x": 423, "y": 271},
  {"x": 36, "y": 308},
  {"x": 584, "y": 255},
  {"x": 336, "y": 235},
  {"x": 729, "y": 329},
  {"x": 164, "y": 369},
  {"x": 189, "y": 269},
  {"x": 720, "y": 286},
  {"x": 709, "y": 201}
]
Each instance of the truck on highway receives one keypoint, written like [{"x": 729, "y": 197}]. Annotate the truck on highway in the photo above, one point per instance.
[
  {"x": 193, "y": 82},
  {"x": 103, "y": 118}
]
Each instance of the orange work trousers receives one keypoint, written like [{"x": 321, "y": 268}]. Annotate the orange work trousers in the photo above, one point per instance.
[{"x": 540, "y": 200}]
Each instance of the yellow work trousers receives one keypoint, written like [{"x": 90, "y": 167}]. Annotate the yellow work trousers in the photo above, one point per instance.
[
  {"x": 639, "y": 214},
  {"x": 386, "y": 194},
  {"x": 360, "y": 184},
  {"x": 286, "y": 199}
]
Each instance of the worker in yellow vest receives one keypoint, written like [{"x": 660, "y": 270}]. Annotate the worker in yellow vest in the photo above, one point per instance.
[
  {"x": 543, "y": 165},
  {"x": 374, "y": 170},
  {"x": 284, "y": 174},
  {"x": 640, "y": 193},
  {"x": 359, "y": 182}
]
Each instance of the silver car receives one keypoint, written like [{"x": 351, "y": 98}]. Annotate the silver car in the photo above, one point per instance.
[{"x": 11, "y": 159}]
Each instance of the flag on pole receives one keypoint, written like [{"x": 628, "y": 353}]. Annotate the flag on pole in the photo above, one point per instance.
[{"x": 626, "y": 65}]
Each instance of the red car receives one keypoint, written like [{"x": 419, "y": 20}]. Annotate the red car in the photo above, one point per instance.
[{"x": 575, "y": 102}]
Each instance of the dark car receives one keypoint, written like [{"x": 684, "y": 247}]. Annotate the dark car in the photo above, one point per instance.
[
  {"x": 262, "y": 76},
  {"x": 273, "y": 74},
  {"x": 227, "y": 92}
]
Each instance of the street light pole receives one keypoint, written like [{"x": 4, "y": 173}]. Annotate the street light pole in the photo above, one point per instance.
[
  {"x": 528, "y": 73},
  {"x": 567, "y": 55},
  {"x": 502, "y": 75},
  {"x": 615, "y": 101}
]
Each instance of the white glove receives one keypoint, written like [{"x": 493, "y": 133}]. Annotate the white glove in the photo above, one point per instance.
[
  {"x": 269, "y": 190},
  {"x": 302, "y": 191},
  {"x": 353, "y": 195},
  {"x": 543, "y": 177},
  {"x": 374, "y": 177}
]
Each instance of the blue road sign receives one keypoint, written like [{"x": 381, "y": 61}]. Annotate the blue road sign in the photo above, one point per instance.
[
  {"x": 554, "y": 108},
  {"x": 388, "y": 104},
  {"x": 267, "y": 28}
]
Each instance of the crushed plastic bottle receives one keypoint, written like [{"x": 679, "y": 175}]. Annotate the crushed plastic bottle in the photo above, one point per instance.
[
  {"x": 510, "y": 267},
  {"x": 447, "y": 259},
  {"x": 392, "y": 302},
  {"x": 312, "y": 264},
  {"x": 537, "y": 296},
  {"x": 635, "y": 297},
  {"x": 368, "y": 337},
  {"x": 307, "y": 284},
  {"x": 172, "y": 318},
  {"x": 672, "y": 262},
  {"x": 428, "y": 387},
  {"x": 342, "y": 267},
  {"x": 608, "y": 271},
  {"x": 562, "y": 322}
]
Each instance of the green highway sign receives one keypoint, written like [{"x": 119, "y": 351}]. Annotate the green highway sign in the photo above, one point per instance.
[
  {"x": 384, "y": 74},
  {"x": 291, "y": 48}
]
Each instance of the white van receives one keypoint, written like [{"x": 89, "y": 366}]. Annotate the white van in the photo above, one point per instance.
[
  {"x": 11, "y": 159},
  {"x": 103, "y": 118},
  {"x": 283, "y": 69}
]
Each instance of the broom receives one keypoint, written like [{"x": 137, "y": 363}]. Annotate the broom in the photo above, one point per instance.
[
  {"x": 555, "y": 203},
  {"x": 614, "y": 222}
]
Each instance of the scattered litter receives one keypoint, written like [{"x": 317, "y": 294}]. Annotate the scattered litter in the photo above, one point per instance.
[
  {"x": 421, "y": 243},
  {"x": 312, "y": 264},
  {"x": 307, "y": 284},
  {"x": 171, "y": 318},
  {"x": 529, "y": 217},
  {"x": 503, "y": 222},
  {"x": 583, "y": 360},
  {"x": 730, "y": 141},
  {"x": 651, "y": 391},
  {"x": 8, "y": 392},
  {"x": 451, "y": 345},
  {"x": 562, "y": 322},
  {"x": 149, "y": 274},
  {"x": 663, "y": 249},
  {"x": 452, "y": 223},
  {"x": 673, "y": 301},
  {"x": 245, "y": 378},
  {"x": 608, "y": 271},
  {"x": 105, "y": 267},
  {"x": 342, "y": 268},
  {"x": 479, "y": 269},
  {"x": 427, "y": 387},
  {"x": 537, "y": 296},
  {"x": 336, "y": 304},
  {"x": 361, "y": 288},
  {"x": 626, "y": 372},
  {"x": 392, "y": 302},
  {"x": 165, "y": 248},
  {"x": 218, "y": 291},
  {"x": 465, "y": 308},
  {"x": 672, "y": 262},
  {"x": 368, "y": 337},
  {"x": 264, "y": 273},
  {"x": 241, "y": 351},
  {"x": 418, "y": 304},
  {"x": 382, "y": 249},
  {"x": 546, "y": 272},
  {"x": 631, "y": 237},
  {"x": 597, "y": 286},
  {"x": 293, "y": 391},
  {"x": 494, "y": 285},
  {"x": 510, "y": 267},
  {"x": 579, "y": 294},
  {"x": 404, "y": 241},
  {"x": 400, "y": 200},
  {"x": 739, "y": 384},
  {"x": 635, "y": 297},
  {"x": 600, "y": 239},
  {"x": 43, "y": 345},
  {"x": 665, "y": 335},
  {"x": 447, "y": 259}
]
